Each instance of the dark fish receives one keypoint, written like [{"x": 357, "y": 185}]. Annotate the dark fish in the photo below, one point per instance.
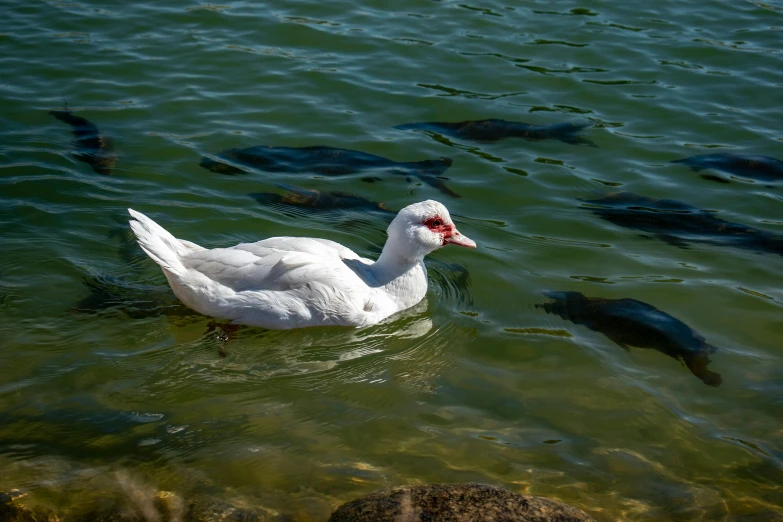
[
  {"x": 629, "y": 322},
  {"x": 677, "y": 223},
  {"x": 220, "y": 168},
  {"x": 318, "y": 200},
  {"x": 325, "y": 161},
  {"x": 495, "y": 130},
  {"x": 761, "y": 168},
  {"x": 94, "y": 147}
]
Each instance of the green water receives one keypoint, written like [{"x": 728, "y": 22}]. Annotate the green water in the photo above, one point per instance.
[{"x": 476, "y": 384}]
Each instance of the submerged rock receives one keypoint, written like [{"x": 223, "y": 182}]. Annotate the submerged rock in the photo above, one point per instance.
[
  {"x": 170, "y": 506},
  {"x": 223, "y": 512},
  {"x": 455, "y": 503},
  {"x": 139, "y": 504},
  {"x": 13, "y": 510}
]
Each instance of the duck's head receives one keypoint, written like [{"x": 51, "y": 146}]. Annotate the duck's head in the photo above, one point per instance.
[{"x": 424, "y": 227}]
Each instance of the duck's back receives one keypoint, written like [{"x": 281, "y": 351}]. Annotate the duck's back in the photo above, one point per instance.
[
  {"x": 280, "y": 263},
  {"x": 282, "y": 282}
]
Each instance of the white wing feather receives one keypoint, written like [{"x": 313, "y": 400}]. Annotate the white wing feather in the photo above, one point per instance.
[{"x": 275, "y": 264}]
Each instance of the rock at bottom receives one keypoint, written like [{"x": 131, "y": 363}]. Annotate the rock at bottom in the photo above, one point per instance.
[
  {"x": 12, "y": 510},
  {"x": 455, "y": 503}
]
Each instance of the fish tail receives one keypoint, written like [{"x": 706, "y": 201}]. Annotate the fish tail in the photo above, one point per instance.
[
  {"x": 573, "y": 139},
  {"x": 65, "y": 116},
  {"x": 698, "y": 367},
  {"x": 570, "y": 135},
  {"x": 434, "y": 182},
  {"x": 555, "y": 303},
  {"x": 577, "y": 127},
  {"x": 711, "y": 378}
]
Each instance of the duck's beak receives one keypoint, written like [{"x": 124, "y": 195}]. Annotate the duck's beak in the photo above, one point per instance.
[{"x": 455, "y": 238}]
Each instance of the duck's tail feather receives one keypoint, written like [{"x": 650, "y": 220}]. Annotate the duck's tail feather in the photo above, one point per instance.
[{"x": 159, "y": 244}]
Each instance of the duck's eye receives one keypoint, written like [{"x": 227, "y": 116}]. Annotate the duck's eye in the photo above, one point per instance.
[{"x": 437, "y": 223}]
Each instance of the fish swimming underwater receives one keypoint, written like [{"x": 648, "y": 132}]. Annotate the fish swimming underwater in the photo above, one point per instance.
[
  {"x": 628, "y": 322},
  {"x": 318, "y": 200},
  {"x": 678, "y": 224},
  {"x": 94, "y": 147},
  {"x": 495, "y": 130},
  {"x": 760, "y": 168},
  {"x": 326, "y": 161}
]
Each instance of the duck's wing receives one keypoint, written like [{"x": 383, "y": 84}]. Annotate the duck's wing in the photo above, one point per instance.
[
  {"x": 310, "y": 245},
  {"x": 278, "y": 264}
]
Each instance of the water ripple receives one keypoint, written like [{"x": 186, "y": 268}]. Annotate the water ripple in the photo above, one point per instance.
[{"x": 103, "y": 368}]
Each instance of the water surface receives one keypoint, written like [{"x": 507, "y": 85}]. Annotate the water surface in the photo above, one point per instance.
[{"x": 476, "y": 384}]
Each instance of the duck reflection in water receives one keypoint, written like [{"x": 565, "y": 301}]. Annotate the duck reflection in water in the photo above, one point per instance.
[
  {"x": 325, "y": 161},
  {"x": 629, "y": 322},
  {"x": 678, "y": 224},
  {"x": 760, "y": 168},
  {"x": 495, "y": 130},
  {"x": 94, "y": 147}
]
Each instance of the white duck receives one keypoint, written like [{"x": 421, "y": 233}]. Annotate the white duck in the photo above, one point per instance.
[{"x": 293, "y": 282}]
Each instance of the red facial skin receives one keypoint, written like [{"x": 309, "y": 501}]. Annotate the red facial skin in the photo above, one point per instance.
[{"x": 438, "y": 225}]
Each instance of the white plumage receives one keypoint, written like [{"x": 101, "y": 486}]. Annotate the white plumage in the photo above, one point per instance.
[{"x": 294, "y": 282}]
